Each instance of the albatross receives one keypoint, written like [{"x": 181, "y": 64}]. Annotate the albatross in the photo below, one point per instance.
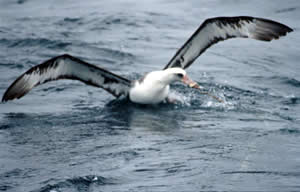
[{"x": 154, "y": 87}]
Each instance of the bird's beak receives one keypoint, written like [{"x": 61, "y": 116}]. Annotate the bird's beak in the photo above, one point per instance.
[{"x": 189, "y": 82}]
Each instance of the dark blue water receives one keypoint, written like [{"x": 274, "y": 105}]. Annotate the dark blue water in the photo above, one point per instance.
[{"x": 65, "y": 136}]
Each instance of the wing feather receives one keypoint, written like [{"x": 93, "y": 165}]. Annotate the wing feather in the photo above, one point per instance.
[
  {"x": 217, "y": 29},
  {"x": 67, "y": 67}
]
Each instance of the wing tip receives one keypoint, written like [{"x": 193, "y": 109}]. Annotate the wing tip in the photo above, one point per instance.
[
  {"x": 7, "y": 97},
  {"x": 11, "y": 93},
  {"x": 268, "y": 30},
  {"x": 289, "y": 30},
  {"x": 4, "y": 100}
]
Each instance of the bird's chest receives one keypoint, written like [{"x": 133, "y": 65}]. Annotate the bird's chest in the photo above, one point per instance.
[{"x": 149, "y": 93}]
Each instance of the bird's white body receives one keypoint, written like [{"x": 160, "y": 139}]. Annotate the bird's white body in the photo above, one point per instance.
[
  {"x": 148, "y": 93},
  {"x": 154, "y": 87},
  {"x": 150, "y": 89}
]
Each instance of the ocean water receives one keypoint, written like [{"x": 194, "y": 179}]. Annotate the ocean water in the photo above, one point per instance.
[{"x": 65, "y": 136}]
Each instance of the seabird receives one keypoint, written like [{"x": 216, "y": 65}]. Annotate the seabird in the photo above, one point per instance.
[{"x": 154, "y": 87}]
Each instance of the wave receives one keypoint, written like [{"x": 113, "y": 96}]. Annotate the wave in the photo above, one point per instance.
[
  {"x": 34, "y": 42},
  {"x": 291, "y": 100},
  {"x": 292, "y": 174},
  {"x": 22, "y": 1},
  {"x": 83, "y": 183},
  {"x": 292, "y": 131},
  {"x": 70, "y": 21},
  {"x": 284, "y": 10},
  {"x": 291, "y": 81}
]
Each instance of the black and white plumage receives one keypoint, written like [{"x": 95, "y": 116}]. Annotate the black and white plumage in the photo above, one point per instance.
[
  {"x": 217, "y": 29},
  {"x": 153, "y": 87},
  {"x": 67, "y": 67}
]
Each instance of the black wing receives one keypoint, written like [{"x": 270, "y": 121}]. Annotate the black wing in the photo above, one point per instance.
[
  {"x": 67, "y": 67},
  {"x": 218, "y": 29}
]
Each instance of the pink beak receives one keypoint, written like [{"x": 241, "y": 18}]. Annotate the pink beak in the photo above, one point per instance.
[{"x": 189, "y": 82}]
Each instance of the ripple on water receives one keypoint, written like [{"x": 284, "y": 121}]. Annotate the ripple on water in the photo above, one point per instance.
[
  {"x": 289, "y": 131},
  {"x": 8, "y": 178},
  {"x": 291, "y": 174},
  {"x": 34, "y": 42},
  {"x": 82, "y": 183}
]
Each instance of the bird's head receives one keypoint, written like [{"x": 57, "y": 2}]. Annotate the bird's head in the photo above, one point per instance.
[{"x": 178, "y": 74}]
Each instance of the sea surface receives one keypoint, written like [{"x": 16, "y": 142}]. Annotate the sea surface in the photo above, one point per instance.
[{"x": 65, "y": 136}]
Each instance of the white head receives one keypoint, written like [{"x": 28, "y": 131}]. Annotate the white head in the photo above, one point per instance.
[{"x": 171, "y": 75}]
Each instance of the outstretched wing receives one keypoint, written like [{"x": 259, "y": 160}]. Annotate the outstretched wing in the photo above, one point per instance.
[
  {"x": 67, "y": 67},
  {"x": 221, "y": 28}
]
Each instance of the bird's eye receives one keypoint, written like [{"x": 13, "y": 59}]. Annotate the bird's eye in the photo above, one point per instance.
[{"x": 180, "y": 75}]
